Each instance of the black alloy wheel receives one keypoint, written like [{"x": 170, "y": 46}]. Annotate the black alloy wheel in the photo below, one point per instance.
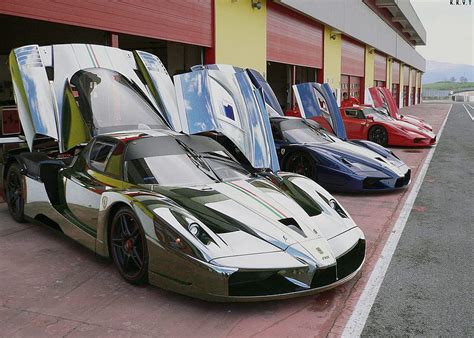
[
  {"x": 300, "y": 163},
  {"x": 128, "y": 246},
  {"x": 15, "y": 193},
  {"x": 378, "y": 135}
]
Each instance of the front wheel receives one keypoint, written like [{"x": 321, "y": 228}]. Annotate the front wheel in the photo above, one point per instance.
[
  {"x": 128, "y": 246},
  {"x": 379, "y": 135},
  {"x": 300, "y": 163},
  {"x": 15, "y": 193}
]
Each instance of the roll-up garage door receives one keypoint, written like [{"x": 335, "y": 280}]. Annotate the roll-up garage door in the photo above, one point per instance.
[
  {"x": 353, "y": 58},
  {"x": 182, "y": 21},
  {"x": 353, "y": 67},
  {"x": 396, "y": 82},
  {"x": 380, "y": 70},
  {"x": 293, "y": 38}
]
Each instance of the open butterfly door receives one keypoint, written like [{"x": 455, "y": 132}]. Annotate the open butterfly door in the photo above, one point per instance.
[
  {"x": 46, "y": 100},
  {"x": 227, "y": 102},
  {"x": 318, "y": 101}
]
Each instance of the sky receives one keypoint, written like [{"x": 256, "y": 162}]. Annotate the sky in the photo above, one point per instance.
[{"x": 449, "y": 30}]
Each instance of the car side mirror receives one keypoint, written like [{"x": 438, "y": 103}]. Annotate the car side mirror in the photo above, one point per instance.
[{"x": 370, "y": 117}]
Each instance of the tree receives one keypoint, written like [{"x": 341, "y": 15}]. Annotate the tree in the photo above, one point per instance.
[
  {"x": 463, "y": 79},
  {"x": 452, "y": 79}
]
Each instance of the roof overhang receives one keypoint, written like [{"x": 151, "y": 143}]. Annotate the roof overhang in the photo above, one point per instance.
[{"x": 403, "y": 13}]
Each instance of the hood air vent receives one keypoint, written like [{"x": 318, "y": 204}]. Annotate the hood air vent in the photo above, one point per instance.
[{"x": 293, "y": 225}]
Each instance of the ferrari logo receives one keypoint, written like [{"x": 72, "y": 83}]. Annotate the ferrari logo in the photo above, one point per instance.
[{"x": 104, "y": 202}]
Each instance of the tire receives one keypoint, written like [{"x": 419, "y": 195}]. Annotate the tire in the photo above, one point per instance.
[
  {"x": 300, "y": 163},
  {"x": 15, "y": 193},
  {"x": 379, "y": 135},
  {"x": 128, "y": 246}
]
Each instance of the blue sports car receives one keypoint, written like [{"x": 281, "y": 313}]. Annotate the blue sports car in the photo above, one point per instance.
[{"x": 306, "y": 148}]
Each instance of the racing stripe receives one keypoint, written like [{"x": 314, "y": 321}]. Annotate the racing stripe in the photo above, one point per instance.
[
  {"x": 262, "y": 202},
  {"x": 92, "y": 55}
]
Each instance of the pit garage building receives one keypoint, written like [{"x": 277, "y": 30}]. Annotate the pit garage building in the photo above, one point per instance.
[{"x": 351, "y": 44}]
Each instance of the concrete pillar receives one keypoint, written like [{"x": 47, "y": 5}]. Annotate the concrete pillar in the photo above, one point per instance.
[
  {"x": 400, "y": 92},
  {"x": 369, "y": 73},
  {"x": 410, "y": 84},
  {"x": 332, "y": 60},
  {"x": 241, "y": 34},
  {"x": 388, "y": 81}
]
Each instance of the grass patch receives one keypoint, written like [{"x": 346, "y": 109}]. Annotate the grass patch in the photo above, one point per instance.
[{"x": 448, "y": 85}]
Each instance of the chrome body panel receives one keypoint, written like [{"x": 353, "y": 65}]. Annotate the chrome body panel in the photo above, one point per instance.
[
  {"x": 41, "y": 78},
  {"x": 38, "y": 207},
  {"x": 259, "y": 226},
  {"x": 36, "y": 107},
  {"x": 161, "y": 86},
  {"x": 227, "y": 102},
  {"x": 261, "y": 244}
]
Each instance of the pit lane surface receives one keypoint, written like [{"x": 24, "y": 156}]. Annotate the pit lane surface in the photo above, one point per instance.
[
  {"x": 52, "y": 286},
  {"x": 427, "y": 289}
]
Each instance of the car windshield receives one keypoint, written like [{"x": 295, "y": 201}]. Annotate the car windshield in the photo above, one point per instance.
[
  {"x": 180, "y": 161},
  {"x": 379, "y": 114},
  {"x": 304, "y": 131},
  {"x": 110, "y": 102}
]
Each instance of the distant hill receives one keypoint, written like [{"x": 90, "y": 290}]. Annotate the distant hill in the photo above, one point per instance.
[
  {"x": 443, "y": 71},
  {"x": 448, "y": 85}
]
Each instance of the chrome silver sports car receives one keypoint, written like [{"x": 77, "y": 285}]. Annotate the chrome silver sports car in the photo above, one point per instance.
[{"x": 108, "y": 164}]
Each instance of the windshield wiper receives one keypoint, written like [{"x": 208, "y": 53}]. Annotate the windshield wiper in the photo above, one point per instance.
[
  {"x": 318, "y": 130},
  {"x": 199, "y": 161}
]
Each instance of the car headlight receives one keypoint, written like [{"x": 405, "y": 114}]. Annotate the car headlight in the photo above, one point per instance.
[
  {"x": 194, "y": 229},
  {"x": 334, "y": 205}
]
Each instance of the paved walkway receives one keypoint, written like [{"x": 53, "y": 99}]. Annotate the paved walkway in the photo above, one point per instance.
[
  {"x": 51, "y": 286},
  {"x": 428, "y": 287}
]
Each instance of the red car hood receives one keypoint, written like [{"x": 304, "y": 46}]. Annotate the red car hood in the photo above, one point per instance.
[
  {"x": 411, "y": 128},
  {"x": 416, "y": 122}
]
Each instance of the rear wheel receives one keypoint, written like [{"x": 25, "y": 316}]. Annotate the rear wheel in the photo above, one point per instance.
[
  {"x": 15, "y": 193},
  {"x": 378, "y": 135},
  {"x": 128, "y": 246},
  {"x": 300, "y": 163}
]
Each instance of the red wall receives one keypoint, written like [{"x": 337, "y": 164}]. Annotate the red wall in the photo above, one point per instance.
[
  {"x": 353, "y": 58},
  {"x": 380, "y": 71},
  {"x": 182, "y": 21},
  {"x": 292, "y": 38},
  {"x": 406, "y": 74},
  {"x": 395, "y": 72}
]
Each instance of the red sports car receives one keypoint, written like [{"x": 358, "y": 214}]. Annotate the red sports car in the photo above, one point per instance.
[
  {"x": 382, "y": 98},
  {"x": 367, "y": 123}
]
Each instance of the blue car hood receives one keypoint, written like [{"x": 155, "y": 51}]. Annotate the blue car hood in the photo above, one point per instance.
[{"x": 354, "y": 156}]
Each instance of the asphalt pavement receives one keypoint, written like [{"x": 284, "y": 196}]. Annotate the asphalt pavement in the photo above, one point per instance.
[{"x": 428, "y": 287}]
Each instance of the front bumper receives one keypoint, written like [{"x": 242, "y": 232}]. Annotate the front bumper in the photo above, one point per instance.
[
  {"x": 262, "y": 284},
  {"x": 375, "y": 183}
]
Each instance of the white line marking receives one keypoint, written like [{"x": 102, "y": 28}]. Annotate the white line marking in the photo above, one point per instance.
[
  {"x": 467, "y": 111},
  {"x": 356, "y": 322},
  {"x": 470, "y": 106}
]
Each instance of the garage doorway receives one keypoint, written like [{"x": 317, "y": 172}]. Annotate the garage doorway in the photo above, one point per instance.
[
  {"x": 282, "y": 77},
  {"x": 17, "y": 31}
]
